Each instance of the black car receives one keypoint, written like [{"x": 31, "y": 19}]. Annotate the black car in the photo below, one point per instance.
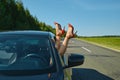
[{"x": 31, "y": 55}]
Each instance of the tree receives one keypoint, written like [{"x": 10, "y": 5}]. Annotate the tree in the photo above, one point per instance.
[{"x": 13, "y": 16}]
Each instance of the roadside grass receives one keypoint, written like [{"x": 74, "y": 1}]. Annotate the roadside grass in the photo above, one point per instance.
[{"x": 109, "y": 42}]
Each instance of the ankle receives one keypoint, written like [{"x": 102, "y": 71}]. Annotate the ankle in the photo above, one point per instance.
[
  {"x": 58, "y": 37},
  {"x": 70, "y": 36},
  {"x": 67, "y": 37}
]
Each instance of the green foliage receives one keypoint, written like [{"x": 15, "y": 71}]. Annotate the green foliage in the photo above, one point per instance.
[
  {"x": 111, "y": 42},
  {"x": 13, "y": 16}
]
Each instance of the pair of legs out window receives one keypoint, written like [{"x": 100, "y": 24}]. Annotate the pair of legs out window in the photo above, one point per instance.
[{"x": 59, "y": 32}]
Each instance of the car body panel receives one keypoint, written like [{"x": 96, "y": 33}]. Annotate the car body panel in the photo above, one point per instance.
[{"x": 34, "y": 77}]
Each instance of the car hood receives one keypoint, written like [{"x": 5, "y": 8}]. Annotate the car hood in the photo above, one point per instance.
[{"x": 31, "y": 77}]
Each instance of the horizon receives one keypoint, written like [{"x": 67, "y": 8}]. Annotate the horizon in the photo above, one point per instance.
[
  {"x": 102, "y": 36},
  {"x": 89, "y": 18}
]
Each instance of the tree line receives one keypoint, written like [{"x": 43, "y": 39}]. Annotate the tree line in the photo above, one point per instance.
[{"x": 13, "y": 16}]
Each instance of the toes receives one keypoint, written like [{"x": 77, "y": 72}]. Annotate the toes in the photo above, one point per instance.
[
  {"x": 55, "y": 23},
  {"x": 70, "y": 25},
  {"x": 58, "y": 25}
]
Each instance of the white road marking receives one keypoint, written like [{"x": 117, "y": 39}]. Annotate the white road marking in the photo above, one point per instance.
[{"x": 86, "y": 49}]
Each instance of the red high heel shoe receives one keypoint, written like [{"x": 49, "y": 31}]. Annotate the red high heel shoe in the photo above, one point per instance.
[
  {"x": 73, "y": 34},
  {"x": 59, "y": 26}
]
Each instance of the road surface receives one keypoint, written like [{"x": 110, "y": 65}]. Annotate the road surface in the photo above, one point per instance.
[{"x": 100, "y": 63}]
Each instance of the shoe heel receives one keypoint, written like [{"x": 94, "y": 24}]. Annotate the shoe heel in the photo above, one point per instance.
[{"x": 63, "y": 30}]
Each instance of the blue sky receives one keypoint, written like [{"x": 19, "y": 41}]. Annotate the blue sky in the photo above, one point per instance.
[{"x": 89, "y": 17}]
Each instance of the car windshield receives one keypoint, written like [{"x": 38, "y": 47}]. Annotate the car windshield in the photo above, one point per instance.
[{"x": 23, "y": 52}]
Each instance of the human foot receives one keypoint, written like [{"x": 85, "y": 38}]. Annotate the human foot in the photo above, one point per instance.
[
  {"x": 70, "y": 33},
  {"x": 59, "y": 30}
]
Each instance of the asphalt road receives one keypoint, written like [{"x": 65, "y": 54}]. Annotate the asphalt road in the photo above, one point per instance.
[{"x": 100, "y": 63}]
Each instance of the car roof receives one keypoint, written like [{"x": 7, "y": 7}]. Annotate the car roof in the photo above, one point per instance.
[{"x": 28, "y": 32}]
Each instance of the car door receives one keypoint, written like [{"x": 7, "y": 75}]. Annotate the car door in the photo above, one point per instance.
[
  {"x": 63, "y": 73},
  {"x": 67, "y": 71}
]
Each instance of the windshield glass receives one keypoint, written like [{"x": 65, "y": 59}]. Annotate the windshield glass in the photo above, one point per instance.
[{"x": 23, "y": 52}]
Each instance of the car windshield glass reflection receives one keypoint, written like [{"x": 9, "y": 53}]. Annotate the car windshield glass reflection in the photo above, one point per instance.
[{"x": 18, "y": 52}]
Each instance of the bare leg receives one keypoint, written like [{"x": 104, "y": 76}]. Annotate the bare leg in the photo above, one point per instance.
[
  {"x": 69, "y": 35},
  {"x": 59, "y": 33},
  {"x": 63, "y": 47}
]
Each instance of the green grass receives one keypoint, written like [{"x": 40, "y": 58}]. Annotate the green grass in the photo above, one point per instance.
[{"x": 110, "y": 42}]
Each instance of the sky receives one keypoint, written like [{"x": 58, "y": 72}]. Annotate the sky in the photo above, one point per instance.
[{"x": 89, "y": 17}]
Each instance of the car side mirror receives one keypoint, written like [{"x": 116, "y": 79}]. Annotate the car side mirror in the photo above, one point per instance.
[{"x": 75, "y": 60}]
